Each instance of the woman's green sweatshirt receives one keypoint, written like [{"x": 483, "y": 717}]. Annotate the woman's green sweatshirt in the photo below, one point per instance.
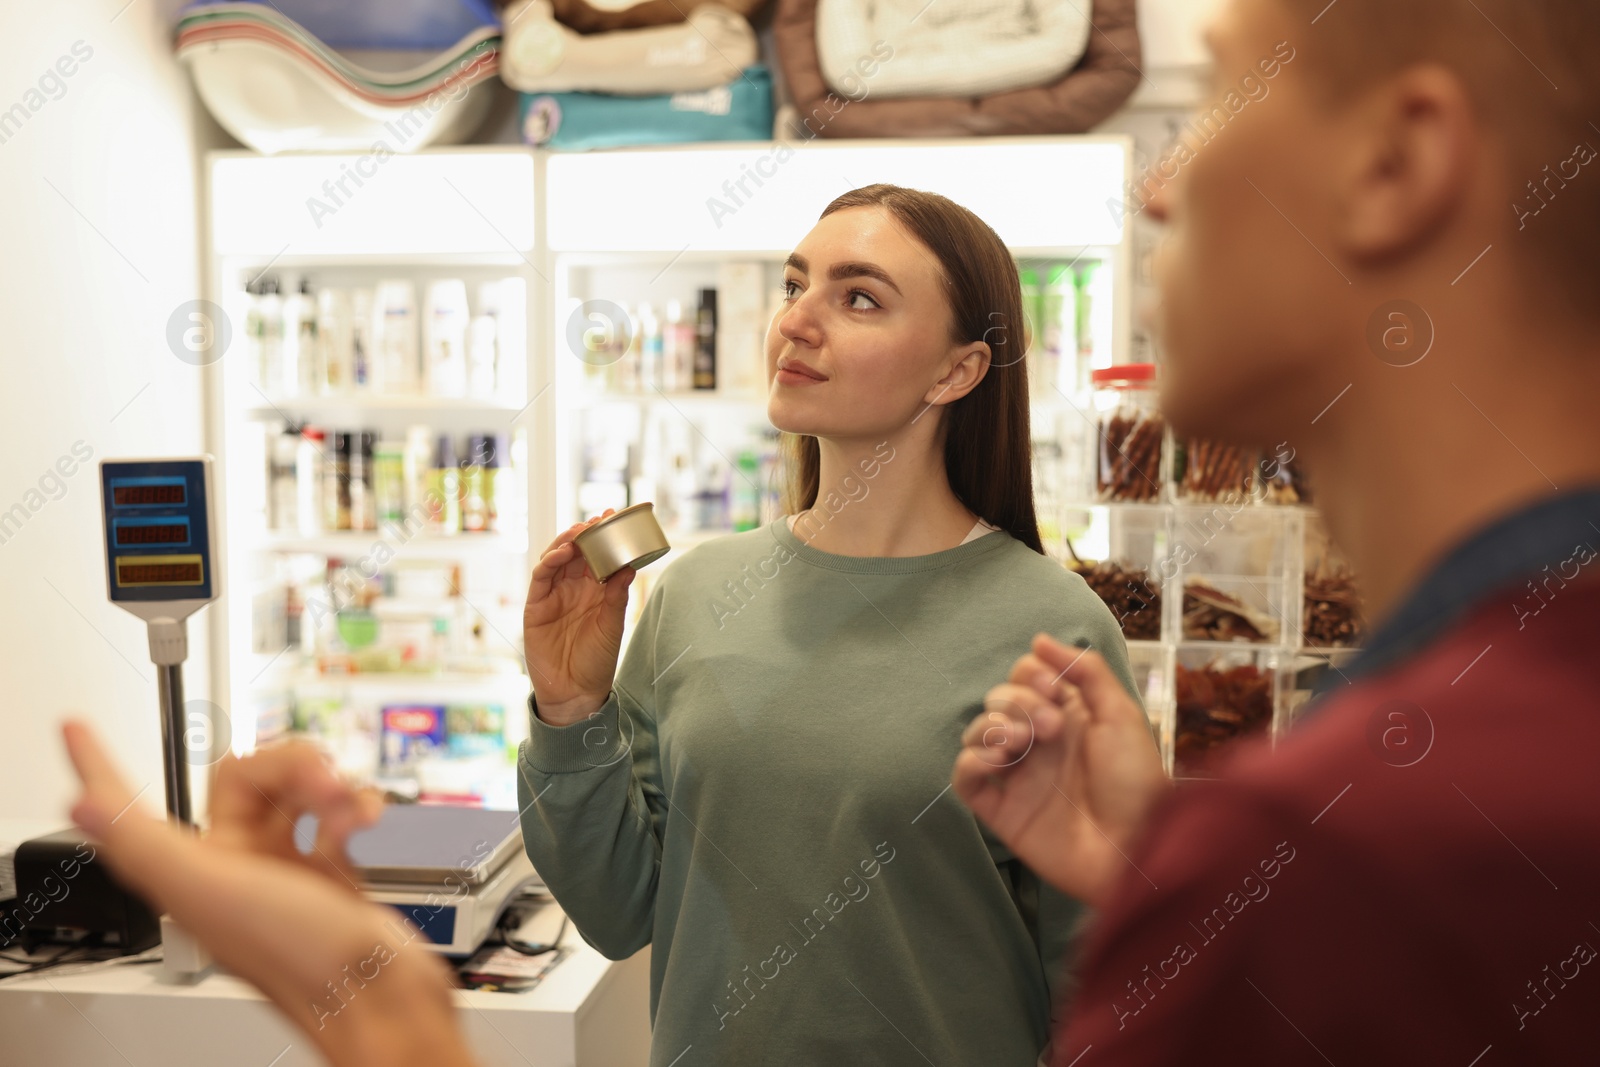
[{"x": 765, "y": 799}]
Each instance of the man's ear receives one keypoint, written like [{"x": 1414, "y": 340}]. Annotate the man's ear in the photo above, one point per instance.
[
  {"x": 1414, "y": 143},
  {"x": 971, "y": 363}
]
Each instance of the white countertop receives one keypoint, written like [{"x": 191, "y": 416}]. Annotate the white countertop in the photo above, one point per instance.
[{"x": 586, "y": 1012}]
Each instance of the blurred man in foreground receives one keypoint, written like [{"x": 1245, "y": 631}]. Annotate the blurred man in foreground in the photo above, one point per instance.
[{"x": 1387, "y": 264}]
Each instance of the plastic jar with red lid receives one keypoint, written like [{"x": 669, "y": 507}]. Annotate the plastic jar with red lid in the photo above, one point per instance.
[{"x": 1130, "y": 434}]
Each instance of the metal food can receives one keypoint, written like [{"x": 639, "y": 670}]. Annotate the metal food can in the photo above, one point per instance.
[{"x": 630, "y": 538}]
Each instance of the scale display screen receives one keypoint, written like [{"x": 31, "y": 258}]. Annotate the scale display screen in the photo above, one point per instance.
[
  {"x": 174, "y": 532},
  {"x": 148, "y": 492},
  {"x": 144, "y": 571},
  {"x": 158, "y": 535}
]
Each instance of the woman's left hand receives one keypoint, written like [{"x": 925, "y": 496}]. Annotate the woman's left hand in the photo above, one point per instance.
[{"x": 289, "y": 923}]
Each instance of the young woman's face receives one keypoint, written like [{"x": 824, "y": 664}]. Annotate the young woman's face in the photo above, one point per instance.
[{"x": 862, "y": 338}]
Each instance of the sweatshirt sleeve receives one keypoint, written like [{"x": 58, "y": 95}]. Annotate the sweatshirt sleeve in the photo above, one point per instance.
[{"x": 593, "y": 804}]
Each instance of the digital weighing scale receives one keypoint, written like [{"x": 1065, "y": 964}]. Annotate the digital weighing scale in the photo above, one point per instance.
[
  {"x": 160, "y": 538},
  {"x": 450, "y": 870}
]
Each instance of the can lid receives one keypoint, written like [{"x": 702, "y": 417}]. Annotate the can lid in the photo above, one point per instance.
[
  {"x": 609, "y": 519},
  {"x": 1126, "y": 372},
  {"x": 444, "y": 454}
]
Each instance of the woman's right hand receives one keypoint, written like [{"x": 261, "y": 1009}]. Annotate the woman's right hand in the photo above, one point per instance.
[{"x": 572, "y": 630}]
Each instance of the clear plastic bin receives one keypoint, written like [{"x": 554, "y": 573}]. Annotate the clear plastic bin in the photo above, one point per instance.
[
  {"x": 1333, "y": 615},
  {"x": 1220, "y": 698}
]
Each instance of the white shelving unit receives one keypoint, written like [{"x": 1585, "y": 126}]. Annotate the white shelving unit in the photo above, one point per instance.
[{"x": 466, "y": 213}]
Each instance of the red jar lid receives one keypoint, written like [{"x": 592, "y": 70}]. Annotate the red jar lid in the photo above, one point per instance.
[{"x": 1126, "y": 372}]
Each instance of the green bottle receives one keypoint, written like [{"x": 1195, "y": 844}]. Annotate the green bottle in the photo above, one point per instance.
[{"x": 747, "y": 491}]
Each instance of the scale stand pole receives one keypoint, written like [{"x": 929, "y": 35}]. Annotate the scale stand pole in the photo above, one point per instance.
[{"x": 169, "y": 647}]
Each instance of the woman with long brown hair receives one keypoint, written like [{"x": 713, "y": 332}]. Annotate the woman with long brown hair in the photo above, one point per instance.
[{"x": 761, "y": 793}]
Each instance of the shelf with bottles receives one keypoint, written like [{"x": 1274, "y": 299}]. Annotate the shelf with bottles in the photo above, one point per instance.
[
  {"x": 705, "y": 473},
  {"x": 389, "y": 335},
  {"x": 336, "y": 490},
  {"x": 403, "y": 622},
  {"x": 685, "y": 331}
]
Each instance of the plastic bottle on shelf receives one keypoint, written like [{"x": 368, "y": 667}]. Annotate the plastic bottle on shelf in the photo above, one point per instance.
[
  {"x": 705, "y": 349},
  {"x": 363, "y": 505},
  {"x": 746, "y": 509},
  {"x": 627, "y": 372},
  {"x": 492, "y": 454},
  {"x": 361, "y": 350},
  {"x": 388, "y": 481},
  {"x": 445, "y": 350},
  {"x": 333, "y": 337},
  {"x": 685, "y": 494},
  {"x": 395, "y": 336},
  {"x": 1058, "y": 316},
  {"x": 1095, "y": 319},
  {"x": 415, "y": 465},
  {"x": 303, "y": 371},
  {"x": 269, "y": 306},
  {"x": 336, "y": 483},
  {"x": 1032, "y": 298},
  {"x": 283, "y": 500},
  {"x": 308, "y": 463},
  {"x": 505, "y": 301},
  {"x": 711, "y": 498},
  {"x": 651, "y": 347},
  {"x": 254, "y": 326},
  {"x": 474, "y": 494},
  {"x": 677, "y": 350},
  {"x": 444, "y": 488}
]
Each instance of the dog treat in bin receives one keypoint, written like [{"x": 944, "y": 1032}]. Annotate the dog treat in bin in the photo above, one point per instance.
[
  {"x": 1211, "y": 615},
  {"x": 1333, "y": 610},
  {"x": 1129, "y": 593},
  {"x": 1217, "y": 706},
  {"x": 1131, "y": 433},
  {"x": 1210, "y": 471}
]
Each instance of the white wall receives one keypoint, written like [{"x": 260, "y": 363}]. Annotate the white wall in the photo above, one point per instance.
[
  {"x": 98, "y": 178},
  {"x": 1170, "y": 32}
]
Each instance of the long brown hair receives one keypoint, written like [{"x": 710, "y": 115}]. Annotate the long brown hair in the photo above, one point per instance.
[{"x": 987, "y": 446}]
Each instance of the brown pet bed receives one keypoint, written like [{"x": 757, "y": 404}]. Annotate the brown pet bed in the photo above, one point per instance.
[{"x": 1088, "y": 94}]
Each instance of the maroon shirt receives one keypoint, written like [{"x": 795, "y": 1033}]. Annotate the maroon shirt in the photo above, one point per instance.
[{"x": 1412, "y": 877}]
